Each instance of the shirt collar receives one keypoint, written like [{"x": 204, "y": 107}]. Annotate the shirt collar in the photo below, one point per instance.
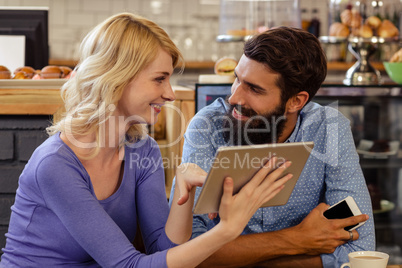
[{"x": 292, "y": 137}]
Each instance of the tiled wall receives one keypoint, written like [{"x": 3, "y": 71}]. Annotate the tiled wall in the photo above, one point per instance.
[{"x": 192, "y": 24}]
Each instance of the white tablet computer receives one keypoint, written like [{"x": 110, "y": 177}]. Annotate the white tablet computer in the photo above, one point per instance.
[{"x": 242, "y": 162}]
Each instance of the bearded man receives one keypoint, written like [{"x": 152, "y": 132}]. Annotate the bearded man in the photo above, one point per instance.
[{"x": 277, "y": 76}]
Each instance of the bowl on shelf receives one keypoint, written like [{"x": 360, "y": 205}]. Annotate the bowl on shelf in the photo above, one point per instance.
[
  {"x": 394, "y": 71},
  {"x": 377, "y": 149},
  {"x": 385, "y": 207}
]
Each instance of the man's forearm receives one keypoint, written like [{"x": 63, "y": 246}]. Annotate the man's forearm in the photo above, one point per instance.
[
  {"x": 315, "y": 235},
  {"x": 252, "y": 249},
  {"x": 299, "y": 261}
]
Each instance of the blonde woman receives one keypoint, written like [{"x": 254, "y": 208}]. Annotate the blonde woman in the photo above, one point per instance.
[{"x": 86, "y": 188}]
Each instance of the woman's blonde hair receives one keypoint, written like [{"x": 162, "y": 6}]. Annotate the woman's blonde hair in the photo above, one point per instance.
[{"x": 112, "y": 54}]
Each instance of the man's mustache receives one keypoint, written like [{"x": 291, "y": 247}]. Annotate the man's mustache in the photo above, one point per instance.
[{"x": 244, "y": 111}]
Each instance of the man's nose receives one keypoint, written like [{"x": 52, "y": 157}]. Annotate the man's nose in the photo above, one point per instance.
[{"x": 237, "y": 96}]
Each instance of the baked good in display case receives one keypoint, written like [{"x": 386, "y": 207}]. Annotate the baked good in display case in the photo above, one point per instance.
[
  {"x": 29, "y": 73},
  {"x": 239, "y": 19},
  {"x": 339, "y": 29},
  {"x": 53, "y": 72},
  {"x": 26, "y": 77},
  {"x": 365, "y": 19},
  {"x": 363, "y": 26},
  {"x": 225, "y": 66},
  {"x": 397, "y": 57},
  {"x": 4, "y": 72},
  {"x": 224, "y": 72},
  {"x": 25, "y": 72}
]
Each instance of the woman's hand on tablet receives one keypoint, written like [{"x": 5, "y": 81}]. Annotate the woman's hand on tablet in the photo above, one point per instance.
[
  {"x": 236, "y": 210},
  {"x": 188, "y": 175}
]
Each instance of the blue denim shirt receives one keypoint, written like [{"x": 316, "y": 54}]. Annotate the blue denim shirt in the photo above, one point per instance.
[{"x": 331, "y": 173}]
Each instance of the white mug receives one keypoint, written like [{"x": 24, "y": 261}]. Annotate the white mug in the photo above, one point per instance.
[{"x": 367, "y": 259}]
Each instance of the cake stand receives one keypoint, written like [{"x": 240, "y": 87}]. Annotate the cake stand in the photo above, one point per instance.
[{"x": 362, "y": 72}]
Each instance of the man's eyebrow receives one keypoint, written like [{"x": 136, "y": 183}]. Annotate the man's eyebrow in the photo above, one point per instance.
[{"x": 255, "y": 86}]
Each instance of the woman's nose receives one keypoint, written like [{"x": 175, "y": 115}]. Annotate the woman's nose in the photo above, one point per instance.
[{"x": 168, "y": 94}]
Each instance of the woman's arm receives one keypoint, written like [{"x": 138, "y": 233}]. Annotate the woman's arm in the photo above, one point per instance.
[
  {"x": 179, "y": 224},
  {"x": 235, "y": 212}
]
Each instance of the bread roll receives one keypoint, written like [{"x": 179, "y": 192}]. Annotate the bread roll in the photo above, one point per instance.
[
  {"x": 25, "y": 72},
  {"x": 373, "y": 21},
  {"x": 387, "y": 29},
  {"x": 339, "y": 29},
  {"x": 397, "y": 57},
  {"x": 225, "y": 66},
  {"x": 346, "y": 16},
  {"x": 4, "y": 72},
  {"x": 66, "y": 71},
  {"x": 351, "y": 18},
  {"x": 51, "y": 72},
  {"x": 356, "y": 21},
  {"x": 364, "y": 31},
  {"x": 20, "y": 75}
]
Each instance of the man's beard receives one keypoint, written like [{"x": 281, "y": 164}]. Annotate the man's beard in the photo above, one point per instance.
[{"x": 258, "y": 129}]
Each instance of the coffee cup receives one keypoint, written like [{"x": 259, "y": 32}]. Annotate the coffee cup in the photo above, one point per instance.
[{"x": 367, "y": 259}]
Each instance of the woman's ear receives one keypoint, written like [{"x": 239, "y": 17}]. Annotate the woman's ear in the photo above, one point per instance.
[{"x": 297, "y": 102}]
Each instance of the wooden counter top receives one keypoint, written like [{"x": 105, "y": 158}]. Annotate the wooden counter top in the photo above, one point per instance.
[
  {"x": 344, "y": 66},
  {"x": 15, "y": 100},
  {"x": 188, "y": 64},
  {"x": 47, "y": 101},
  {"x": 332, "y": 66}
]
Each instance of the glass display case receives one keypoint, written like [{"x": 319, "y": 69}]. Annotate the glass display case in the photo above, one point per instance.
[
  {"x": 374, "y": 113},
  {"x": 239, "y": 19}
]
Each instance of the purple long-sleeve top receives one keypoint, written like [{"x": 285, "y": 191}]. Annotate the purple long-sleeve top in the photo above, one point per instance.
[{"x": 57, "y": 220}]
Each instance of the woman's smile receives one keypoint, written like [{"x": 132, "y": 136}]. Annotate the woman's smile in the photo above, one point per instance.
[{"x": 157, "y": 107}]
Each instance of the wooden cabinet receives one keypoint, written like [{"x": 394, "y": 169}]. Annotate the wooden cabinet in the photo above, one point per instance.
[{"x": 22, "y": 101}]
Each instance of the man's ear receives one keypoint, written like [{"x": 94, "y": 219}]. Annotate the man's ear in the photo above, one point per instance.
[{"x": 297, "y": 102}]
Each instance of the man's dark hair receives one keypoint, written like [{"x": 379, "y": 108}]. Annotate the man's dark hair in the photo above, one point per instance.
[{"x": 295, "y": 54}]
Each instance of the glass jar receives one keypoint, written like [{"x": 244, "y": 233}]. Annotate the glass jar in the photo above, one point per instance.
[{"x": 241, "y": 18}]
